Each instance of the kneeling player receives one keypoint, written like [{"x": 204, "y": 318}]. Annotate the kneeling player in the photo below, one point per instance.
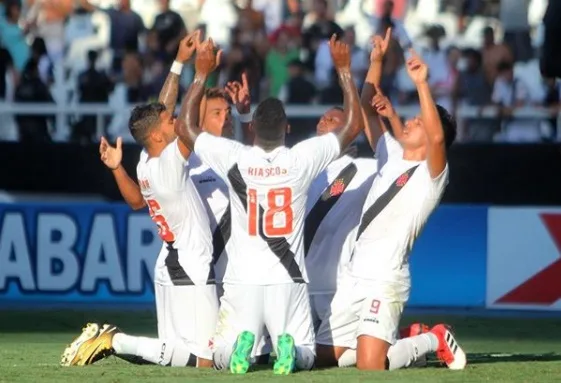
[
  {"x": 363, "y": 321},
  {"x": 186, "y": 299}
]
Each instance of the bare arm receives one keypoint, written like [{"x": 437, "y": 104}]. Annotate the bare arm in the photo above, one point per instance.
[
  {"x": 436, "y": 148},
  {"x": 373, "y": 126},
  {"x": 340, "y": 53},
  {"x": 169, "y": 92},
  {"x": 130, "y": 191},
  {"x": 111, "y": 156},
  {"x": 384, "y": 109},
  {"x": 187, "y": 124}
]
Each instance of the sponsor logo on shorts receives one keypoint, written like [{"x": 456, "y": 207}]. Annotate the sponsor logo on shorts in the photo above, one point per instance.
[{"x": 373, "y": 320}]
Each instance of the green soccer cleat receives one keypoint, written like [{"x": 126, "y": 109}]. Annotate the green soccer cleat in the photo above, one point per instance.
[
  {"x": 241, "y": 356},
  {"x": 286, "y": 355}
]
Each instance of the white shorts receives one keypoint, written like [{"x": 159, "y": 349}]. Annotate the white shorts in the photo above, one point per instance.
[
  {"x": 319, "y": 305},
  {"x": 362, "y": 307},
  {"x": 188, "y": 314},
  {"x": 276, "y": 309}
]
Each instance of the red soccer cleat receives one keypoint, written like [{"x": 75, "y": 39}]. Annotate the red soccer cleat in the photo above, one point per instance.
[
  {"x": 413, "y": 330},
  {"x": 449, "y": 351}
]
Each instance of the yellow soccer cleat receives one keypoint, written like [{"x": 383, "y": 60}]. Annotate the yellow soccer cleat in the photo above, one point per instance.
[{"x": 93, "y": 344}]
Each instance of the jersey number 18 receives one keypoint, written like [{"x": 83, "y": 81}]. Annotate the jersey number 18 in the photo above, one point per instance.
[{"x": 279, "y": 205}]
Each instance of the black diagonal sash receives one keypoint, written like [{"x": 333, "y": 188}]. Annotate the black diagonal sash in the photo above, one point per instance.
[
  {"x": 279, "y": 246},
  {"x": 326, "y": 201},
  {"x": 221, "y": 235},
  {"x": 384, "y": 199}
]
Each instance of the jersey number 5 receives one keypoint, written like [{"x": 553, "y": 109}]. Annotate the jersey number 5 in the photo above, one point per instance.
[
  {"x": 279, "y": 206},
  {"x": 163, "y": 228}
]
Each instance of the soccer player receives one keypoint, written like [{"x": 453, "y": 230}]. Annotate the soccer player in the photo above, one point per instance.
[
  {"x": 265, "y": 281},
  {"x": 336, "y": 196},
  {"x": 362, "y": 324},
  {"x": 186, "y": 299}
]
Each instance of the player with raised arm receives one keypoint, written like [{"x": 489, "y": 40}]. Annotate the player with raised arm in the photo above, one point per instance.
[
  {"x": 363, "y": 321},
  {"x": 185, "y": 290},
  {"x": 265, "y": 281}
]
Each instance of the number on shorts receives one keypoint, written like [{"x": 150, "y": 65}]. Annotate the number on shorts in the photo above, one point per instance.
[
  {"x": 375, "y": 306},
  {"x": 163, "y": 228},
  {"x": 279, "y": 202}
]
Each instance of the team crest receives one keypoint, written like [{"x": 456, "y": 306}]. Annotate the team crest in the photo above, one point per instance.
[
  {"x": 402, "y": 180},
  {"x": 337, "y": 188}
]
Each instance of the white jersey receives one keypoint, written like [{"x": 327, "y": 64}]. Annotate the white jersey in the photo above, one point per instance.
[
  {"x": 382, "y": 250},
  {"x": 214, "y": 194},
  {"x": 268, "y": 192},
  {"x": 177, "y": 209},
  {"x": 387, "y": 148},
  {"x": 335, "y": 201}
]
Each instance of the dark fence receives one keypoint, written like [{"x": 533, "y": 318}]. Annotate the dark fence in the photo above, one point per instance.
[{"x": 491, "y": 174}]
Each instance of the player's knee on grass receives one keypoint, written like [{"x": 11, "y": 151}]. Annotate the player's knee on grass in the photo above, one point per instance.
[
  {"x": 327, "y": 356},
  {"x": 204, "y": 363},
  {"x": 372, "y": 353}
]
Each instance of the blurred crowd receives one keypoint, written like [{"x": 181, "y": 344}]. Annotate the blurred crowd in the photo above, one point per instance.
[{"x": 119, "y": 52}]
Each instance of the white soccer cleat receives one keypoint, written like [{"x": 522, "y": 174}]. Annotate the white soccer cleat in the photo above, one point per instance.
[{"x": 449, "y": 351}]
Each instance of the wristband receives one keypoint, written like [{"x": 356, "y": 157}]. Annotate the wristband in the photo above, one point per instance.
[
  {"x": 176, "y": 68},
  {"x": 246, "y": 118}
]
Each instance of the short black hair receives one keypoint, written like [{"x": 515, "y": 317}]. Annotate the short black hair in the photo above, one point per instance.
[
  {"x": 211, "y": 93},
  {"x": 449, "y": 125},
  {"x": 143, "y": 119},
  {"x": 269, "y": 120}
]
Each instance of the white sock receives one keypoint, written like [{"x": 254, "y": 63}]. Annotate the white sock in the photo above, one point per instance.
[
  {"x": 408, "y": 350},
  {"x": 348, "y": 359},
  {"x": 157, "y": 351},
  {"x": 221, "y": 357},
  {"x": 305, "y": 358}
]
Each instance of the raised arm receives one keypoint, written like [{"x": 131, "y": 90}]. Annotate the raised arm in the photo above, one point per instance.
[
  {"x": 187, "y": 124},
  {"x": 354, "y": 124},
  {"x": 373, "y": 126},
  {"x": 384, "y": 108},
  {"x": 170, "y": 90},
  {"x": 241, "y": 97},
  {"x": 111, "y": 157},
  {"x": 436, "y": 148}
]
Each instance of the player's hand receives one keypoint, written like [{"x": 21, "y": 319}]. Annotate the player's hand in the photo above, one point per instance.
[
  {"x": 417, "y": 70},
  {"x": 380, "y": 46},
  {"x": 239, "y": 93},
  {"x": 111, "y": 156},
  {"x": 187, "y": 46},
  {"x": 382, "y": 104},
  {"x": 340, "y": 53},
  {"x": 208, "y": 58}
]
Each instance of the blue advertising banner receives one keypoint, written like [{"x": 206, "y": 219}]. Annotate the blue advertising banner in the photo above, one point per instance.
[{"x": 105, "y": 254}]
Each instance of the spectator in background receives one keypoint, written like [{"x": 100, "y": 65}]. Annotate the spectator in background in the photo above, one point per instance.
[
  {"x": 7, "y": 129},
  {"x": 170, "y": 29},
  {"x": 47, "y": 18},
  {"x": 243, "y": 57},
  {"x": 472, "y": 89},
  {"x": 514, "y": 19},
  {"x": 40, "y": 54},
  {"x": 219, "y": 18},
  {"x": 322, "y": 28},
  {"x": 324, "y": 63},
  {"x": 12, "y": 37},
  {"x": 387, "y": 20},
  {"x": 552, "y": 101},
  {"x": 276, "y": 64},
  {"x": 332, "y": 95},
  {"x": 93, "y": 86},
  {"x": 493, "y": 54},
  {"x": 441, "y": 78},
  {"x": 550, "y": 63},
  {"x": 510, "y": 93},
  {"x": 33, "y": 128},
  {"x": 127, "y": 28},
  {"x": 133, "y": 74},
  {"x": 298, "y": 90}
]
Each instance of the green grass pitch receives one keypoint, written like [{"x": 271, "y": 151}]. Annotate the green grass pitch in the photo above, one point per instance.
[{"x": 513, "y": 349}]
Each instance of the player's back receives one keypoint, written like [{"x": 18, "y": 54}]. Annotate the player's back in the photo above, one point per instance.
[
  {"x": 268, "y": 192},
  {"x": 177, "y": 209}
]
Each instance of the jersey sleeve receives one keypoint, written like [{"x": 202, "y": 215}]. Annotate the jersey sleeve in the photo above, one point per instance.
[
  {"x": 313, "y": 155},
  {"x": 387, "y": 148},
  {"x": 173, "y": 168},
  {"x": 220, "y": 154},
  {"x": 436, "y": 185}
]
